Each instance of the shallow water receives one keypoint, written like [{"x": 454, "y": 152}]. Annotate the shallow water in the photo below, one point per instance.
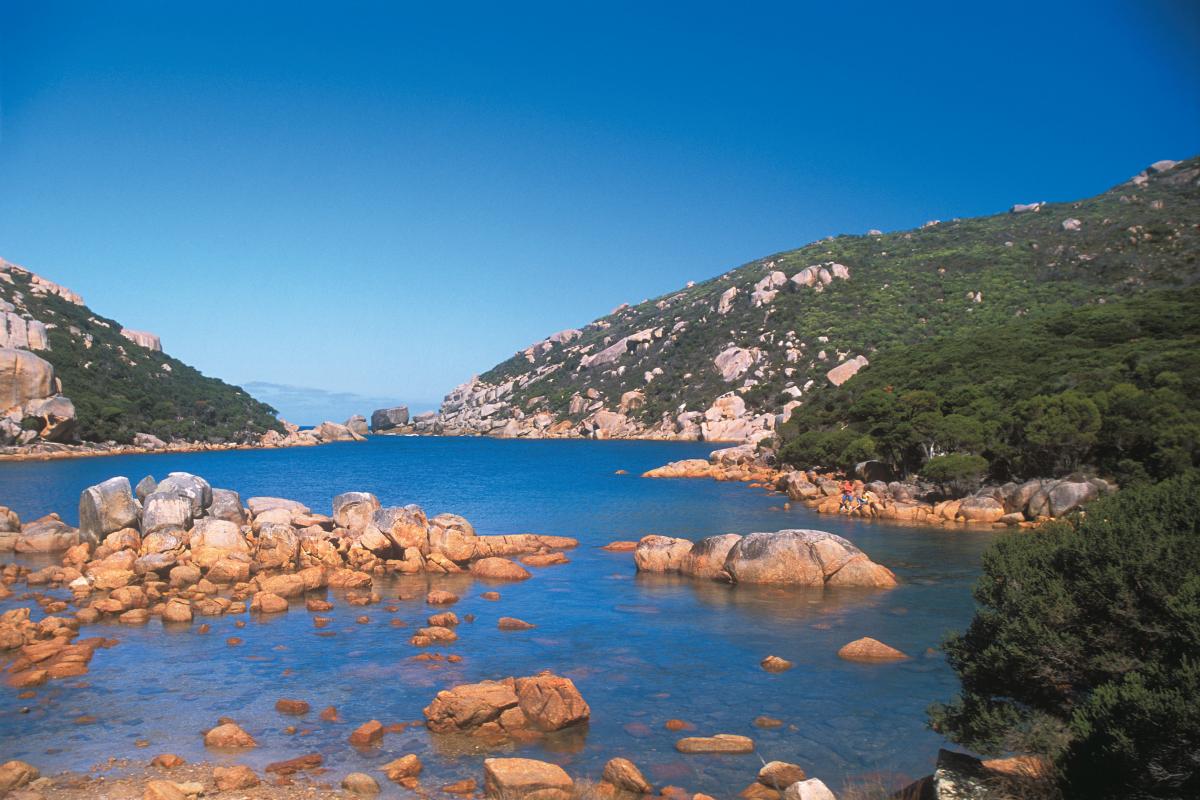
[{"x": 642, "y": 649}]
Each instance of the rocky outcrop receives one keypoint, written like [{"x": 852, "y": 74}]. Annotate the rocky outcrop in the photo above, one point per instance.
[
  {"x": 733, "y": 362},
  {"x": 389, "y": 419},
  {"x": 846, "y": 370},
  {"x": 30, "y": 406},
  {"x": 18, "y": 332},
  {"x": 783, "y": 558},
  {"x": 150, "y": 341}
]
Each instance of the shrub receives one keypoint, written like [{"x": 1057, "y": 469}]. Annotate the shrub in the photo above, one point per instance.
[
  {"x": 957, "y": 473},
  {"x": 1086, "y": 647}
]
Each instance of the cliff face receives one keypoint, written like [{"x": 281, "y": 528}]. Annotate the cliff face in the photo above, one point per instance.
[
  {"x": 67, "y": 373},
  {"x": 734, "y": 356}
]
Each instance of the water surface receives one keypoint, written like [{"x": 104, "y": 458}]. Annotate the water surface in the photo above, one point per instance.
[{"x": 642, "y": 649}]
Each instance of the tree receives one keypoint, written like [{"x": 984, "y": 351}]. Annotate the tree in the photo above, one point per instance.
[
  {"x": 957, "y": 474},
  {"x": 1086, "y": 647},
  {"x": 1059, "y": 429}
]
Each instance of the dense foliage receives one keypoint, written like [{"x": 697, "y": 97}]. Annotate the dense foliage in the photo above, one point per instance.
[
  {"x": 904, "y": 290},
  {"x": 1111, "y": 387},
  {"x": 120, "y": 388},
  {"x": 1086, "y": 647}
]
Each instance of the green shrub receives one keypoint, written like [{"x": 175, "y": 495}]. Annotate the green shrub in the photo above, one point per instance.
[
  {"x": 1086, "y": 647},
  {"x": 957, "y": 473}
]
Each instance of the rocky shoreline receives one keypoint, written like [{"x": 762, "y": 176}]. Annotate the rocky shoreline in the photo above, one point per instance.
[
  {"x": 353, "y": 430},
  {"x": 169, "y": 777},
  {"x": 1012, "y": 505}
]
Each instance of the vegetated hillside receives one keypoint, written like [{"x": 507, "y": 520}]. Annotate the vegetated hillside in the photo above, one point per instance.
[
  {"x": 1110, "y": 387},
  {"x": 770, "y": 332},
  {"x": 118, "y": 386}
]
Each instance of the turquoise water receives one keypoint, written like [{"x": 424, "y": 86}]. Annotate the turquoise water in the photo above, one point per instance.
[{"x": 642, "y": 649}]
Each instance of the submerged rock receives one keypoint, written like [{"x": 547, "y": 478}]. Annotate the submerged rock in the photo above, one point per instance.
[{"x": 718, "y": 743}]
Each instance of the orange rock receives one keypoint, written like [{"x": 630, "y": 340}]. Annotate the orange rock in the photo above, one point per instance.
[
  {"x": 295, "y": 707},
  {"x": 408, "y": 766},
  {"x": 620, "y": 547},
  {"x": 545, "y": 559},
  {"x": 525, "y": 777},
  {"x": 330, "y": 714},
  {"x": 167, "y": 761},
  {"x": 440, "y": 597},
  {"x": 624, "y": 775},
  {"x": 368, "y": 734},
  {"x": 294, "y": 765},
  {"x": 229, "y": 735},
  {"x": 496, "y": 568},
  {"x": 717, "y": 743},
  {"x": 868, "y": 649},
  {"x": 467, "y": 786},
  {"x": 776, "y": 664},
  {"x": 679, "y": 725},
  {"x": 490, "y": 596},
  {"x": 235, "y": 778},
  {"x": 513, "y": 624}
]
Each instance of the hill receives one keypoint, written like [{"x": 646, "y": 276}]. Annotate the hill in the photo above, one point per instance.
[
  {"x": 733, "y": 357},
  {"x": 68, "y": 373}
]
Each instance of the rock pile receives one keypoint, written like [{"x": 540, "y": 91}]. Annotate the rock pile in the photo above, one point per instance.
[
  {"x": 179, "y": 548},
  {"x": 1022, "y": 504}
]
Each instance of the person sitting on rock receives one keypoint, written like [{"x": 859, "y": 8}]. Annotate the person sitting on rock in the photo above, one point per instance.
[
  {"x": 847, "y": 497},
  {"x": 868, "y": 501}
]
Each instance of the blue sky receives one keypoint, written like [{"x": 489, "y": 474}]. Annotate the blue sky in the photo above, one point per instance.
[{"x": 385, "y": 198}]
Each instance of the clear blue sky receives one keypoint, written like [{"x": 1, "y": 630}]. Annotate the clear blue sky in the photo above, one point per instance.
[{"x": 386, "y": 198}]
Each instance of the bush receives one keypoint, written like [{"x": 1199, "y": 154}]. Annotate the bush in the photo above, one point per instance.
[
  {"x": 1086, "y": 647},
  {"x": 957, "y": 473}
]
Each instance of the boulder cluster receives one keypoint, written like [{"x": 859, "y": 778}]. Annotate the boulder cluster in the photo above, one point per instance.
[
  {"x": 179, "y": 549},
  {"x": 783, "y": 558},
  {"x": 1014, "y": 504}
]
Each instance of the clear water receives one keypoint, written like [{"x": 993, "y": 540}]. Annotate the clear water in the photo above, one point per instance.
[{"x": 642, "y": 649}]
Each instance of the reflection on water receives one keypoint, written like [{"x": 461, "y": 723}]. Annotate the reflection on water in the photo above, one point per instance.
[{"x": 642, "y": 649}]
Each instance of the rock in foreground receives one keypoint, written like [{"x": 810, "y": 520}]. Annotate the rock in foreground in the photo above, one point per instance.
[{"x": 525, "y": 779}]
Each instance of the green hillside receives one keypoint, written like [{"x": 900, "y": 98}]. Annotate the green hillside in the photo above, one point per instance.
[
  {"x": 120, "y": 388},
  {"x": 998, "y": 276}
]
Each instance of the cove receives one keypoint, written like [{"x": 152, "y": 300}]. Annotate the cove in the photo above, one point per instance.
[{"x": 641, "y": 649}]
